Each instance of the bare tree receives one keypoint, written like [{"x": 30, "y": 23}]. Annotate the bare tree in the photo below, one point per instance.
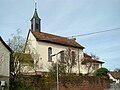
[
  {"x": 17, "y": 42},
  {"x": 70, "y": 59},
  {"x": 67, "y": 61},
  {"x": 37, "y": 64},
  {"x": 117, "y": 69},
  {"x": 89, "y": 61},
  {"x": 18, "y": 62}
]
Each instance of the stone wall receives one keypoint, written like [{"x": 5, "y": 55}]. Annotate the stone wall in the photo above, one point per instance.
[{"x": 87, "y": 83}]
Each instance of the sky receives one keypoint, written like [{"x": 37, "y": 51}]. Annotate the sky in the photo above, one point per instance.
[{"x": 69, "y": 18}]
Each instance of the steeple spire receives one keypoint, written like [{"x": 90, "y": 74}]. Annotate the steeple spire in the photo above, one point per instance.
[
  {"x": 35, "y": 5},
  {"x": 36, "y": 21}
]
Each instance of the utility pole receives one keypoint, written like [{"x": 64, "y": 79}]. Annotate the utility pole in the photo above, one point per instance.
[{"x": 57, "y": 68}]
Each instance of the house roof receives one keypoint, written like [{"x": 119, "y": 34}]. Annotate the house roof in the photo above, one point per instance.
[
  {"x": 115, "y": 74},
  {"x": 88, "y": 59},
  {"x": 5, "y": 45},
  {"x": 24, "y": 57},
  {"x": 87, "y": 56},
  {"x": 50, "y": 38}
]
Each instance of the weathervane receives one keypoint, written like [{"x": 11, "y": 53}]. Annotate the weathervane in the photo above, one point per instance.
[{"x": 35, "y": 4}]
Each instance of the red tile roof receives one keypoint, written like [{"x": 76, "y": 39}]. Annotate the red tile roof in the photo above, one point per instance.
[
  {"x": 87, "y": 56},
  {"x": 115, "y": 74},
  {"x": 45, "y": 37},
  {"x": 88, "y": 59}
]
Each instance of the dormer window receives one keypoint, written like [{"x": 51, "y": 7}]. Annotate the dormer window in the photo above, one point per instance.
[{"x": 49, "y": 54}]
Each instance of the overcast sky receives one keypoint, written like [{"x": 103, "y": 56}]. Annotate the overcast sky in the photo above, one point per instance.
[{"x": 68, "y": 18}]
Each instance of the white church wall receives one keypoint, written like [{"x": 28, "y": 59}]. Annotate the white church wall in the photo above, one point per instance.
[{"x": 41, "y": 48}]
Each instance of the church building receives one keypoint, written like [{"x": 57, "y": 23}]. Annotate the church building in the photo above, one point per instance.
[{"x": 46, "y": 49}]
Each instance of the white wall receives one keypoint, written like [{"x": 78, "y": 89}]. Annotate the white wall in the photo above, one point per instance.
[
  {"x": 42, "y": 49},
  {"x": 84, "y": 68},
  {"x": 4, "y": 60}
]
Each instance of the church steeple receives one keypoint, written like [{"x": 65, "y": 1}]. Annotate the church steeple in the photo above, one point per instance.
[{"x": 35, "y": 21}]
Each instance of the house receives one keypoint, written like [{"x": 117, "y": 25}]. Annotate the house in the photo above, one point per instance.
[
  {"x": 90, "y": 65},
  {"x": 5, "y": 52},
  {"x": 47, "y": 48},
  {"x": 115, "y": 76}
]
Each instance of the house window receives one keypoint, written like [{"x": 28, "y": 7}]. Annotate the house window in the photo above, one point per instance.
[
  {"x": 62, "y": 56},
  {"x": 49, "y": 54},
  {"x": 73, "y": 57},
  {"x": 95, "y": 66}
]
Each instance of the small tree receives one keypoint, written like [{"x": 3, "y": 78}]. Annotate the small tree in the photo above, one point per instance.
[
  {"x": 102, "y": 73},
  {"x": 17, "y": 45}
]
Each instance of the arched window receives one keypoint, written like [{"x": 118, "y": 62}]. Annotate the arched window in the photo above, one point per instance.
[
  {"x": 62, "y": 56},
  {"x": 49, "y": 54}
]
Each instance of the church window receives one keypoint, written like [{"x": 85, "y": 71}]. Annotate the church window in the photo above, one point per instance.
[
  {"x": 73, "y": 57},
  {"x": 62, "y": 56},
  {"x": 49, "y": 54}
]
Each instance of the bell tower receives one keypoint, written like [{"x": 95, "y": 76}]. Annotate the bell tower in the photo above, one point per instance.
[{"x": 35, "y": 21}]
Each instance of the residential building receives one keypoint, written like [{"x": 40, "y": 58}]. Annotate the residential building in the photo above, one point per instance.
[
  {"x": 5, "y": 52},
  {"x": 115, "y": 76},
  {"x": 90, "y": 64}
]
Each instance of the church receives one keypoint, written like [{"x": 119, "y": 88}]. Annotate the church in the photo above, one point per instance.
[{"x": 46, "y": 49}]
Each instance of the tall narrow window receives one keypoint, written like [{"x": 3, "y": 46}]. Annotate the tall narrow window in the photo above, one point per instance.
[
  {"x": 36, "y": 26},
  {"x": 49, "y": 54},
  {"x": 73, "y": 57},
  {"x": 62, "y": 56},
  {"x": 32, "y": 26}
]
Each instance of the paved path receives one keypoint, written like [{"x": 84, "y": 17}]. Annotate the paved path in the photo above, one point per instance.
[{"x": 115, "y": 87}]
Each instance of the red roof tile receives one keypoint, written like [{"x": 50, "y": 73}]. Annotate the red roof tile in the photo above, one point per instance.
[
  {"x": 88, "y": 59},
  {"x": 45, "y": 37},
  {"x": 115, "y": 74}
]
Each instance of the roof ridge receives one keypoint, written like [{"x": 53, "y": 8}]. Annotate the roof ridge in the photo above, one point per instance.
[{"x": 56, "y": 39}]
